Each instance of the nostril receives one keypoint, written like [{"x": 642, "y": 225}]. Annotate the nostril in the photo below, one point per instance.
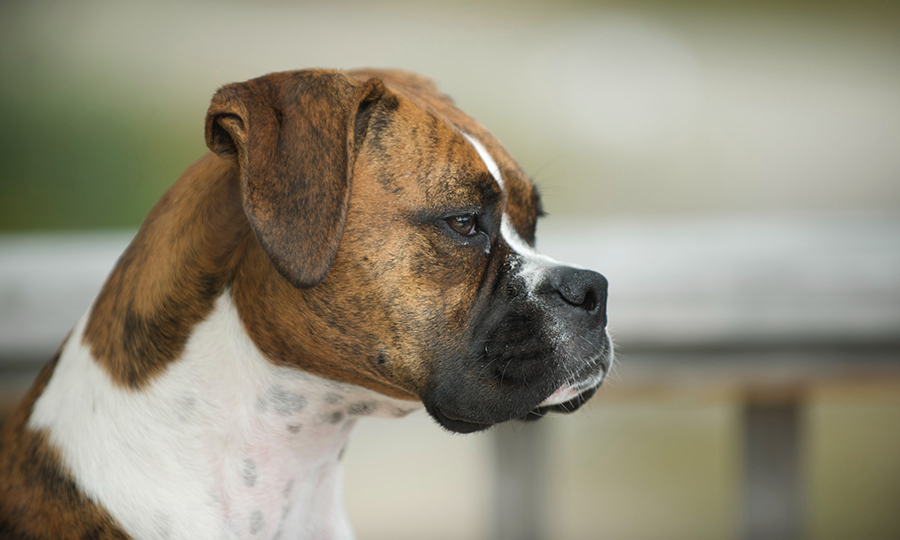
[
  {"x": 572, "y": 294},
  {"x": 585, "y": 298},
  {"x": 590, "y": 301},
  {"x": 580, "y": 288}
]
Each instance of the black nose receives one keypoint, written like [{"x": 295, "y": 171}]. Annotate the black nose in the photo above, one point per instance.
[{"x": 583, "y": 289}]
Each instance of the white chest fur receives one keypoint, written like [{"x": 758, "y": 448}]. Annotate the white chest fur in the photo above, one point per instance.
[{"x": 223, "y": 445}]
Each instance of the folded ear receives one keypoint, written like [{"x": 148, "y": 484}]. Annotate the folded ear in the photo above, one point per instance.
[{"x": 294, "y": 137}]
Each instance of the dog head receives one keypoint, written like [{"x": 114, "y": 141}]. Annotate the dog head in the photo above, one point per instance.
[{"x": 396, "y": 238}]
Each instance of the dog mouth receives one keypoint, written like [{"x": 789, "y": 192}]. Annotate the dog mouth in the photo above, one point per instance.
[
  {"x": 568, "y": 398},
  {"x": 569, "y": 392},
  {"x": 566, "y": 407},
  {"x": 467, "y": 425}
]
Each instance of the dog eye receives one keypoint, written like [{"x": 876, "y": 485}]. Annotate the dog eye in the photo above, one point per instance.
[{"x": 464, "y": 224}]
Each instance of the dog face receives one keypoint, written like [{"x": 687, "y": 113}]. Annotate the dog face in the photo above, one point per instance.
[{"x": 397, "y": 250}]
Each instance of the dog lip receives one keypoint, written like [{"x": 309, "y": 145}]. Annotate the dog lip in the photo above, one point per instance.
[
  {"x": 590, "y": 377},
  {"x": 570, "y": 391},
  {"x": 567, "y": 407},
  {"x": 455, "y": 423},
  {"x": 565, "y": 393}
]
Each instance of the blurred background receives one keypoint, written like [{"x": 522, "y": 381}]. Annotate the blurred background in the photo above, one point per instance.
[{"x": 732, "y": 167}]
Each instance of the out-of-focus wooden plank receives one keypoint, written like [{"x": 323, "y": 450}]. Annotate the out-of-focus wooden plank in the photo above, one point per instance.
[
  {"x": 740, "y": 280},
  {"x": 46, "y": 282},
  {"x": 754, "y": 367}
]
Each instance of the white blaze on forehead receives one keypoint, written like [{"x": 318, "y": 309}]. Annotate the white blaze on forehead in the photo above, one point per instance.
[
  {"x": 534, "y": 264},
  {"x": 486, "y": 158}
]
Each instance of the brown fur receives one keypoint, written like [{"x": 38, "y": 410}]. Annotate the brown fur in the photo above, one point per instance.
[
  {"x": 198, "y": 240},
  {"x": 168, "y": 278},
  {"x": 327, "y": 243},
  {"x": 293, "y": 138},
  {"x": 386, "y": 274},
  {"x": 522, "y": 204}
]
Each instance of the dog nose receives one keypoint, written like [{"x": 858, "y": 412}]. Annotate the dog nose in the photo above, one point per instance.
[{"x": 583, "y": 289}]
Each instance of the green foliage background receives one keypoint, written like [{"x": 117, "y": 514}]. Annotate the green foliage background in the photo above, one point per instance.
[{"x": 71, "y": 161}]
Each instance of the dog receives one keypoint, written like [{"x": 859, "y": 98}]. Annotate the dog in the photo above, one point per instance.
[{"x": 352, "y": 245}]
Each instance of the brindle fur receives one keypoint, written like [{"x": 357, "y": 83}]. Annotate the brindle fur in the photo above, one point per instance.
[
  {"x": 328, "y": 244},
  {"x": 199, "y": 240}
]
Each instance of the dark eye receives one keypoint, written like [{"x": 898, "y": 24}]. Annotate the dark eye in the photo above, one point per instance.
[{"x": 464, "y": 224}]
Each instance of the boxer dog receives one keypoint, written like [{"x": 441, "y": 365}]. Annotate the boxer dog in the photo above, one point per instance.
[{"x": 353, "y": 245}]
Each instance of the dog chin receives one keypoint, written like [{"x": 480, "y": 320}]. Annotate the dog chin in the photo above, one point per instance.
[
  {"x": 454, "y": 423},
  {"x": 565, "y": 400}
]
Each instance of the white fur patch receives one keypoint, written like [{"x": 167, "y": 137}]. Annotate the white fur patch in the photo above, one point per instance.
[
  {"x": 487, "y": 159},
  {"x": 534, "y": 264},
  {"x": 224, "y": 444}
]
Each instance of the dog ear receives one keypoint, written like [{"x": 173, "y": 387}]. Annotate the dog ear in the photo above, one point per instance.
[{"x": 294, "y": 137}]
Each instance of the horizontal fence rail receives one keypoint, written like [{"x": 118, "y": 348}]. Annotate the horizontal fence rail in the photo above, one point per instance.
[{"x": 674, "y": 285}]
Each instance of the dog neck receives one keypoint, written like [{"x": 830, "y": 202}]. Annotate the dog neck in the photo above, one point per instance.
[
  {"x": 167, "y": 414},
  {"x": 224, "y": 444}
]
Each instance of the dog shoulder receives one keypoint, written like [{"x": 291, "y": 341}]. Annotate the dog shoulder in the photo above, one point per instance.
[{"x": 38, "y": 497}]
